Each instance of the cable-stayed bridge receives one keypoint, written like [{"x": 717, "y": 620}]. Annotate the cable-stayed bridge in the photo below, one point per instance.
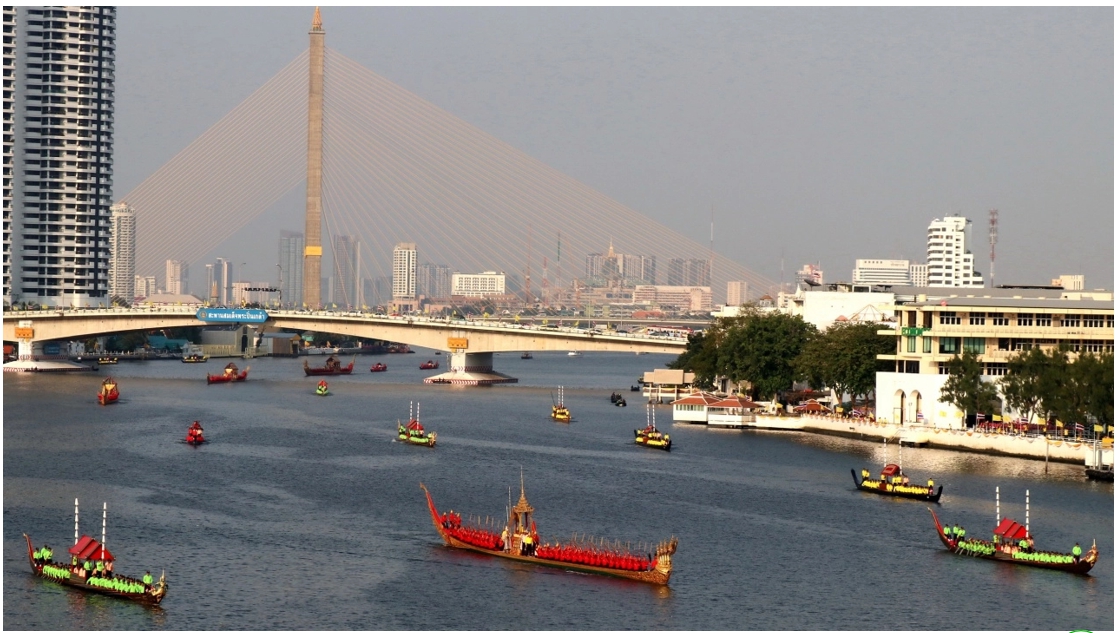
[{"x": 395, "y": 168}]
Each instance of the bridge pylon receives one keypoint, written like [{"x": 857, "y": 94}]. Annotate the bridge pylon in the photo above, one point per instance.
[{"x": 471, "y": 369}]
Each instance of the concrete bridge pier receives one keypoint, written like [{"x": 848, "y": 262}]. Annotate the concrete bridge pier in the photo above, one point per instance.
[
  {"x": 471, "y": 369},
  {"x": 32, "y": 358}
]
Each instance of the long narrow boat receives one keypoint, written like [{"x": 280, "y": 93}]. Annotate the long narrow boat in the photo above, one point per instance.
[
  {"x": 107, "y": 360},
  {"x": 519, "y": 542},
  {"x": 89, "y": 549},
  {"x": 331, "y": 368},
  {"x": 229, "y": 375},
  {"x": 1003, "y": 547},
  {"x": 892, "y": 482},
  {"x": 415, "y": 433},
  {"x": 195, "y": 358},
  {"x": 650, "y": 436}
]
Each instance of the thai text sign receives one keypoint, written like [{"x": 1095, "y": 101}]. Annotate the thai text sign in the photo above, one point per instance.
[
  {"x": 231, "y": 315},
  {"x": 913, "y": 331},
  {"x": 457, "y": 343}
]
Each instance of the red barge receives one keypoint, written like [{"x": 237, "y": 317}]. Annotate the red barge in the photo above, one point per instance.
[
  {"x": 332, "y": 368},
  {"x": 229, "y": 375},
  {"x": 518, "y": 541}
]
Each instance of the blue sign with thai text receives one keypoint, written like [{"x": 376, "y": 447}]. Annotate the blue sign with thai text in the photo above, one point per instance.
[{"x": 232, "y": 315}]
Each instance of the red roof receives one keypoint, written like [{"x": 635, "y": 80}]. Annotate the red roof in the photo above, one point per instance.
[
  {"x": 736, "y": 402},
  {"x": 89, "y": 548},
  {"x": 697, "y": 398},
  {"x": 891, "y": 469},
  {"x": 415, "y": 425},
  {"x": 1011, "y": 530}
]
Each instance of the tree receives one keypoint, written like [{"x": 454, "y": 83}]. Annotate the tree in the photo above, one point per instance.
[
  {"x": 844, "y": 358},
  {"x": 965, "y": 388},
  {"x": 1098, "y": 372},
  {"x": 764, "y": 350},
  {"x": 1022, "y": 384}
]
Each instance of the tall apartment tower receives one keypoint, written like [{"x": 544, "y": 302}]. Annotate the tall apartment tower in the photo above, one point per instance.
[
  {"x": 175, "y": 277},
  {"x": 950, "y": 260},
  {"x": 737, "y": 292},
  {"x": 312, "y": 253},
  {"x": 433, "y": 280},
  {"x": 122, "y": 251},
  {"x": 404, "y": 270},
  {"x": 347, "y": 271},
  {"x": 223, "y": 282},
  {"x": 58, "y": 153},
  {"x": 291, "y": 268}
]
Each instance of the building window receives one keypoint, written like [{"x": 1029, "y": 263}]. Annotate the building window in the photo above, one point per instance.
[
  {"x": 977, "y": 345},
  {"x": 1044, "y": 320},
  {"x": 926, "y": 341},
  {"x": 1025, "y": 319},
  {"x": 942, "y": 368},
  {"x": 1021, "y": 344},
  {"x": 949, "y": 345},
  {"x": 949, "y": 318},
  {"x": 994, "y": 369},
  {"x": 912, "y": 367},
  {"x": 1071, "y": 320},
  {"x": 998, "y": 319},
  {"x": 1093, "y": 320},
  {"x": 977, "y": 318},
  {"x": 911, "y": 344},
  {"x": 1094, "y": 347},
  {"x": 1110, "y": 321}
]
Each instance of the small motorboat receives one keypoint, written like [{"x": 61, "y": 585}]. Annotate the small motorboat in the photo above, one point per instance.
[
  {"x": 194, "y": 434},
  {"x": 526, "y": 356},
  {"x": 414, "y": 432},
  {"x": 109, "y": 392},
  {"x": 617, "y": 400},
  {"x": 229, "y": 374},
  {"x": 107, "y": 360},
  {"x": 575, "y": 353},
  {"x": 429, "y": 364},
  {"x": 195, "y": 358},
  {"x": 322, "y": 389},
  {"x": 634, "y": 388},
  {"x": 378, "y": 367}
]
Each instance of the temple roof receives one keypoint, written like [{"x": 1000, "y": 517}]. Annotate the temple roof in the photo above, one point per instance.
[
  {"x": 522, "y": 503},
  {"x": 316, "y": 22}
]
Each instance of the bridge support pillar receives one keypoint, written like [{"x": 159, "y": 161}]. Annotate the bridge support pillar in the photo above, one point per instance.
[
  {"x": 33, "y": 358},
  {"x": 471, "y": 369}
]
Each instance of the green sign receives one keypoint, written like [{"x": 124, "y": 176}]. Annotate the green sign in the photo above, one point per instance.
[{"x": 913, "y": 331}]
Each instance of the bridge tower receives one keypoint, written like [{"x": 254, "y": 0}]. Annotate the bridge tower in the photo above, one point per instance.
[{"x": 312, "y": 245}]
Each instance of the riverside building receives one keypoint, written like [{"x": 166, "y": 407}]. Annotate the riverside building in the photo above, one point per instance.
[
  {"x": 996, "y": 324},
  {"x": 58, "y": 153},
  {"x": 478, "y": 285},
  {"x": 949, "y": 257}
]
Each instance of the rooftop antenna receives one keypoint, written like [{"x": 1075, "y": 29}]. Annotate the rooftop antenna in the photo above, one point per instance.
[{"x": 993, "y": 237}]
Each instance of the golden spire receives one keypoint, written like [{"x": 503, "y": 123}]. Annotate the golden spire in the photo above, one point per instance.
[
  {"x": 316, "y": 22},
  {"x": 610, "y": 253}
]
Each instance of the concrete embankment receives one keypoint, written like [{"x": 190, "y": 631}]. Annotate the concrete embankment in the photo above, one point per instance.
[{"x": 1057, "y": 450}]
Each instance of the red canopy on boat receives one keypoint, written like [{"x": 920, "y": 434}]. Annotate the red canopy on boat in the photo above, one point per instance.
[
  {"x": 891, "y": 469},
  {"x": 90, "y": 548},
  {"x": 415, "y": 425},
  {"x": 1011, "y": 530}
]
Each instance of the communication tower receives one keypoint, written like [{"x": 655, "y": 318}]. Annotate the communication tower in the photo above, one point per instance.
[{"x": 993, "y": 236}]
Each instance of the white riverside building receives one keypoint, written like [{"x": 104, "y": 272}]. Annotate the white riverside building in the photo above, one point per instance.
[
  {"x": 404, "y": 270},
  {"x": 949, "y": 257},
  {"x": 478, "y": 285},
  {"x": 58, "y": 153},
  {"x": 881, "y": 271}
]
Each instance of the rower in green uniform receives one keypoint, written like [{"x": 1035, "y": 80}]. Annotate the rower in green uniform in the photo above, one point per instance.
[
  {"x": 47, "y": 554},
  {"x": 87, "y": 566},
  {"x": 1076, "y": 551},
  {"x": 100, "y": 568},
  {"x": 148, "y": 578}
]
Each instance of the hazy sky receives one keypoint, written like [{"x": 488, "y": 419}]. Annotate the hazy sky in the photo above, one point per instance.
[{"x": 820, "y": 135}]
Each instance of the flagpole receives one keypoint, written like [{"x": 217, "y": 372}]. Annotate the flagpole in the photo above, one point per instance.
[
  {"x": 75, "y": 520},
  {"x": 105, "y": 515}
]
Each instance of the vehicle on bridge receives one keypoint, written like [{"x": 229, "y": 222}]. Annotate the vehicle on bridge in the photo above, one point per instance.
[
  {"x": 429, "y": 364},
  {"x": 332, "y": 368},
  {"x": 377, "y": 367},
  {"x": 229, "y": 374},
  {"x": 109, "y": 392}
]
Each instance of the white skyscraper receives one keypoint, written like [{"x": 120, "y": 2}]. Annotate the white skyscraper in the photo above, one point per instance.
[
  {"x": 122, "y": 252},
  {"x": 175, "y": 277},
  {"x": 58, "y": 151},
  {"x": 950, "y": 261},
  {"x": 404, "y": 270}
]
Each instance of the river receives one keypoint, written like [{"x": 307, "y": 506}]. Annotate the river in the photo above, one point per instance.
[{"x": 302, "y": 512}]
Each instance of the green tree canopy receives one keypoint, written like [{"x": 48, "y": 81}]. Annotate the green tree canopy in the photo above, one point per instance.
[{"x": 965, "y": 388}]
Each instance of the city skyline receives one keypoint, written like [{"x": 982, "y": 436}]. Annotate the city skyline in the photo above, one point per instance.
[{"x": 982, "y": 142}]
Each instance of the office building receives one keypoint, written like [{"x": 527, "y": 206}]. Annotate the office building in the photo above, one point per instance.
[
  {"x": 689, "y": 272},
  {"x": 996, "y": 325},
  {"x": 144, "y": 287},
  {"x": 291, "y": 268},
  {"x": 404, "y": 270},
  {"x": 347, "y": 272},
  {"x": 950, "y": 260},
  {"x": 681, "y": 298},
  {"x": 738, "y": 292},
  {"x": 1070, "y": 282},
  {"x": 223, "y": 281},
  {"x": 122, "y": 251},
  {"x": 478, "y": 285},
  {"x": 433, "y": 281},
  {"x": 210, "y": 295},
  {"x": 919, "y": 275},
  {"x": 252, "y": 292},
  {"x": 887, "y": 272},
  {"x": 58, "y": 153},
  {"x": 175, "y": 279}
]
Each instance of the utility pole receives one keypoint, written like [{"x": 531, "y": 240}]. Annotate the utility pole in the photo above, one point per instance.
[{"x": 994, "y": 238}]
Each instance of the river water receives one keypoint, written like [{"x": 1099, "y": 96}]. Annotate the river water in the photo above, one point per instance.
[{"x": 303, "y": 513}]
